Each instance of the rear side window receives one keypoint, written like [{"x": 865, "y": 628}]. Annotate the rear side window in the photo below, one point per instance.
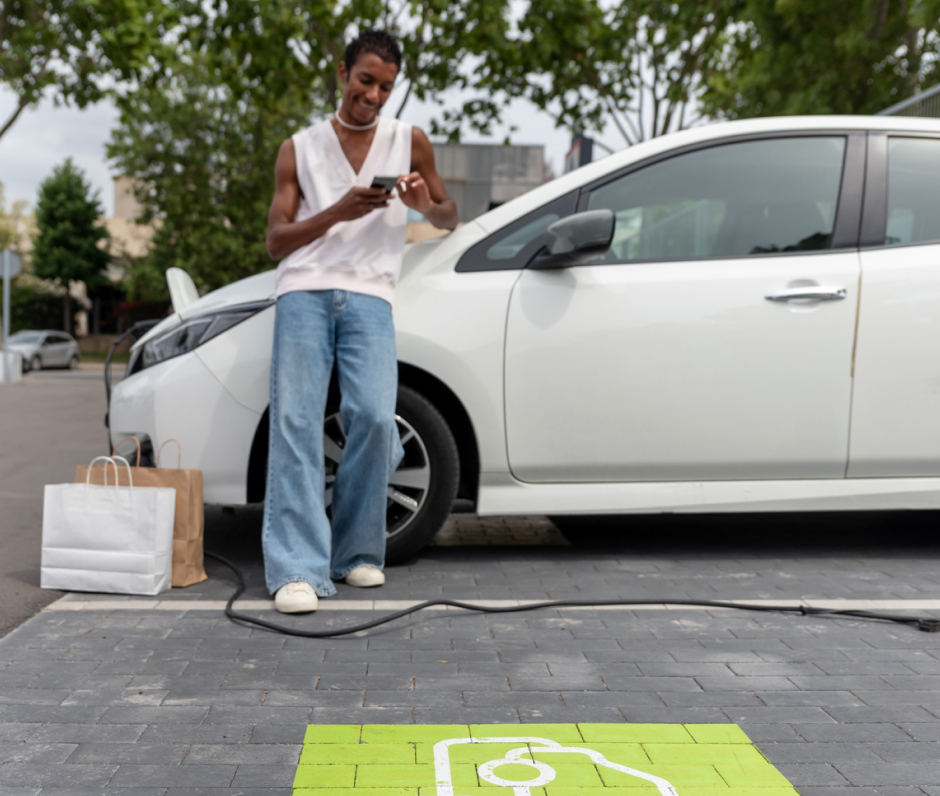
[
  {"x": 512, "y": 247},
  {"x": 913, "y": 186},
  {"x": 732, "y": 200}
]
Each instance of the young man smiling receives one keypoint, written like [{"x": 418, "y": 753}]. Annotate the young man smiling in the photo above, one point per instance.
[{"x": 341, "y": 242}]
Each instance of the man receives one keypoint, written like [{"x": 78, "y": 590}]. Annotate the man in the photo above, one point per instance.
[{"x": 342, "y": 243}]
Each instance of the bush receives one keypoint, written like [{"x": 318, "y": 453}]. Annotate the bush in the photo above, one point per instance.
[{"x": 32, "y": 307}]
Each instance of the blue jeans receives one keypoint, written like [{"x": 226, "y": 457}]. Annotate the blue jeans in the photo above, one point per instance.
[{"x": 311, "y": 329}]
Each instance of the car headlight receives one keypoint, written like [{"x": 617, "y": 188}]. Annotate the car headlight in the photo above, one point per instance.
[{"x": 190, "y": 335}]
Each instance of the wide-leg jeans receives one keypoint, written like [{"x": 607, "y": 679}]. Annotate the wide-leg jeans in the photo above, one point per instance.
[{"x": 311, "y": 330}]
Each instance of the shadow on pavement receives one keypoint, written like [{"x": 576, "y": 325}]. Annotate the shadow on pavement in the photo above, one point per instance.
[
  {"x": 236, "y": 534},
  {"x": 790, "y": 534}
]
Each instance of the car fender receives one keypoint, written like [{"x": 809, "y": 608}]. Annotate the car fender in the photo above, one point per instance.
[{"x": 453, "y": 328}]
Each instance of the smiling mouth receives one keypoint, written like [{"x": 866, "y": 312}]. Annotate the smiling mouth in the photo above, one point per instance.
[{"x": 369, "y": 110}]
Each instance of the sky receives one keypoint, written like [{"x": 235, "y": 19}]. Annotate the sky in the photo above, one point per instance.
[{"x": 46, "y": 135}]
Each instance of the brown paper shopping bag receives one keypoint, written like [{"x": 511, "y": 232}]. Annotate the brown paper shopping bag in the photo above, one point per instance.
[{"x": 189, "y": 522}]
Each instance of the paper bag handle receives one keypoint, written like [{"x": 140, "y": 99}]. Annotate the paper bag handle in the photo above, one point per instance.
[
  {"x": 113, "y": 461},
  {"x": 179, "y": 454},
  {"x": 129, "y": 436}
]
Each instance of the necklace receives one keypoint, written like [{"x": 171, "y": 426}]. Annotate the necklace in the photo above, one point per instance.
[{"x": 349, "y": 126}]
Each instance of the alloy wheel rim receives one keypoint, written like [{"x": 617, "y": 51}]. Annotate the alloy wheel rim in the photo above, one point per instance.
[{"x": 409, "y": 485}]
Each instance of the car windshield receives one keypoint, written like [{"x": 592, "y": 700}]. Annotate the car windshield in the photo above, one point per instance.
[{"x": 25, "y": 337}]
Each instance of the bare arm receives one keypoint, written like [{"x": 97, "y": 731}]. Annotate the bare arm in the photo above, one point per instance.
[
  {"x": 286, "y": 235},
  {"x": 423, "y": 190}
]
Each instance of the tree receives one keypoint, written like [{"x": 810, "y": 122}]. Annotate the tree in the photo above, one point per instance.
[
  {"x": 69, "y": 237},
  {"x": 641, "y": 64},
  {"x": 835, "y": 56},
  {"x": 200, "y": 133},
  {"x": 75, "y": 48},
  {"x": 200, "y": 138}
]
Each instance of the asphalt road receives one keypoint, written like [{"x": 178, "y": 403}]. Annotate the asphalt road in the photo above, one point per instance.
[{"x": 49, "y": 422}]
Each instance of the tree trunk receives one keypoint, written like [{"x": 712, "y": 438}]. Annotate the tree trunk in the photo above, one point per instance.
[{"x": 67, "y": 313}]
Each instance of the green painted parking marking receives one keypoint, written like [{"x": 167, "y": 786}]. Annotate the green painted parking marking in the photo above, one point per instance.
[{"x": 534, "y": 760}]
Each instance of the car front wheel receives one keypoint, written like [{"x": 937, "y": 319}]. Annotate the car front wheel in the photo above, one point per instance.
[
  {"x": 73, "y": 363},
  {"x": 422, "y": 489},
  {"x": 35, "y": 363}
]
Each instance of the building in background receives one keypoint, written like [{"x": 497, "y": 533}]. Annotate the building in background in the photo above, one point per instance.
[
  {"x": 581, "y": 152},
  {"x": 926, "y": 105},
  {"x": 128, "y": 238},
  {"x": 480, "y": 177}
]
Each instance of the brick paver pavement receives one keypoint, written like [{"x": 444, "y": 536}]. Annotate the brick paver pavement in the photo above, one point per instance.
[{"x": 168, "y": 701}]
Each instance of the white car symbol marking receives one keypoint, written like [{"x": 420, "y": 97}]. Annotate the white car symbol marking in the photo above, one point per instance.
[{"x": 445, "y": 783}]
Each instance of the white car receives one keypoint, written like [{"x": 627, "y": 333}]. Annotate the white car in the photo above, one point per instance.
[{"x": 739, "y": 317}]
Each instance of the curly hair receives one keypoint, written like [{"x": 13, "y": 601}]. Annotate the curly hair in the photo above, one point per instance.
[{"x": 379, "y": 42}]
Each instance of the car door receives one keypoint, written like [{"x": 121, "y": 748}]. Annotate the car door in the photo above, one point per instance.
[
  {"x": 49, "y": 352},
  {"x": 60, "y": 349},
  {"x": 714, "y": 339},
  {"x": 896, "y": 400}
]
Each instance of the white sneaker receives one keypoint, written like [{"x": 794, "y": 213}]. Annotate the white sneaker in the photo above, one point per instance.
[
  {"x": 295, "y": 598},
  {"x": 364, "y": 576}
]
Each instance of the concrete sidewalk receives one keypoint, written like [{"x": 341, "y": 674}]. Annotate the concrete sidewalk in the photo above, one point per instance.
[
  {"x": 130, "y": 699},
  {"x": 49, "y": 421}
]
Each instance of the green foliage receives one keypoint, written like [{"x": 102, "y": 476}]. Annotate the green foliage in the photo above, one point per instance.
[
  {"x": 835, "y": 56},
  {"x": 66, "y": 246},
  {"x": 144, "y": 280},
  {"x": 75, "y": 48},
  {"x": 439, "y": 39},
  {"x": 34, "y": 306},
  {"x": 201, "y": 138},
  {"x": 640, "y": 63}
]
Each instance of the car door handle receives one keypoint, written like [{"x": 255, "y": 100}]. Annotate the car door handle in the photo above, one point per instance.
[{"x": 815, "y": 292}]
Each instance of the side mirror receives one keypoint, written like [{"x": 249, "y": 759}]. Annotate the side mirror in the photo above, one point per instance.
[{"x": 577, "y": 239}]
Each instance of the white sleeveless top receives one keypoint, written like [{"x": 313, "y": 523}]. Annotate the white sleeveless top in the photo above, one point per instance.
[{"x": 361, "y": 256}]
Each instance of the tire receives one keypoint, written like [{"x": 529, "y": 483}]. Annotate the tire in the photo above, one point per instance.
[
  {"x": 431, "y": 470},
  {"x": 407, "y": 535},
  {"x": 35, "y": 363},
  {"x": 73, "y": 363}
]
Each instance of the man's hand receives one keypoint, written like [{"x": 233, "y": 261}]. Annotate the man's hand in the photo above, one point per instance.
[
  {"x": 359, "y": 202},
  {"x": 423, "y": 190},
  {"x": 414, "y": 192}
]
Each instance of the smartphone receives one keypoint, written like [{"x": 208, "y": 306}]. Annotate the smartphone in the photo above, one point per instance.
[{"x": 386, "y": 183}]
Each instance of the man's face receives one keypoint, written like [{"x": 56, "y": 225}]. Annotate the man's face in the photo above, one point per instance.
[{"x": 366, "y": 87}]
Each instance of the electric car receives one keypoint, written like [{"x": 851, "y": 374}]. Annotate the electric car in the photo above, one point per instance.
[{"x": 737, "y": 317}]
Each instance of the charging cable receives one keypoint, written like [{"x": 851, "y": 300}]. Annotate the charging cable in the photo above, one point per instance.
[{"x": 926, "y": 624}]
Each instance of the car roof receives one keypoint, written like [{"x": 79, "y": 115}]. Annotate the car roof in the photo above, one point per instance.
[{"x": 714, "y": 131}]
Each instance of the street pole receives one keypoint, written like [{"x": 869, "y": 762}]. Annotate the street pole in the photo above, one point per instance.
[{"x": 7, "y": 376}]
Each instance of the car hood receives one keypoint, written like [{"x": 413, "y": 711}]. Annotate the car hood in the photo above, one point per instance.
[
  {"x": 259, "y": 287},
  {"x": 262, "y": 287}
]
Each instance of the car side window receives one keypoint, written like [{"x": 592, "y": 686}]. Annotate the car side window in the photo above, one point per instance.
[
  {"x": 913, "y": 177},
  {"x": 511, "y": 247},
  {"x": 50, "y": 340},
  {"x": 731, "y": 200}
]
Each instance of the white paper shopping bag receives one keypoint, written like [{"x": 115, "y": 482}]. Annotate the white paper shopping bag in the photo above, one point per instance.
[{"x": 107, "y": 538}]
